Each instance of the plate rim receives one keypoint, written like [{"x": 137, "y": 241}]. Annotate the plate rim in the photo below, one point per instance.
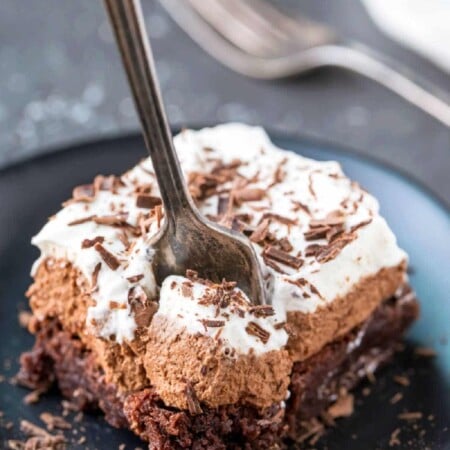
[
  {"x": 65, "y": 147},
  {"x": 63, "y": 152}
]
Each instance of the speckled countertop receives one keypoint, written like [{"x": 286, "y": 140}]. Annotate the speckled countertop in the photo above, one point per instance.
[{"x": 61, "y": 81}]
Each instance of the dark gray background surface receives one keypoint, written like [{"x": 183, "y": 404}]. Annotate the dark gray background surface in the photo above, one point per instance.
[{"x": 61, "y": 81}]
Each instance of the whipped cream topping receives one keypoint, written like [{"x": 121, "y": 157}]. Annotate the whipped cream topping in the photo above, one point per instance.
[
  {"x": 226, "y": 316},
  {"x": 316, "y": 233}
]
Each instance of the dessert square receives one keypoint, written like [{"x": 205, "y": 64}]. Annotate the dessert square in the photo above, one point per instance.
[{"x": 195, "y": 363}]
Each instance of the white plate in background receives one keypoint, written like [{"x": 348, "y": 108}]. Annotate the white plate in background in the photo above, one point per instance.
[{"x": 422, "y": 25}]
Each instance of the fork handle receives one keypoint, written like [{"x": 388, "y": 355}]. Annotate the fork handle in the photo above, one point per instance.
[
  {"x": 129, "y": 29},
  {"x": 390, "y": 74}
]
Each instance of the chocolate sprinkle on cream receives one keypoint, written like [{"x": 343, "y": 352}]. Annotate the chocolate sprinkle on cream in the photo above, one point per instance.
[
  {"x": 313, "y": 249},
  {"x": 272, "y": 264},
  {"x": 116, "y": 220},
  {"x": 111, "y": 261},
  {"x": 84, "y": 193},
  {"x": 316, "y": 233},
  {"x": 135, "y": 278},
  {"x": 95, "y": 273},
  {"x": 211, "y": 323},
  {"x": 262, "y": 310},
  {"x": 300, "y": 206},
  {"x": 110, "y": 183},
  {"x": 255, "y": 330},
  {"x": 260, "y": 233},
  {"x": 279, "y": 218},
  {"x": 147, "y": 201},
  {"x": 283, "y": 257},
  {"x": 333, "y": 218},
  {"x": 360, "y": 225},
  {"x": 186, "y": 289},
  {"x": 81, "y": 220},
  {"x": 329, "y": 252},
  {"x": 248, "y": 195},
  {"x": 87, "y": 243}
]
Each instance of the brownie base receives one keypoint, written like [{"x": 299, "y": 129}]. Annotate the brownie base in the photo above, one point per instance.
[{"x": 316, "y": 383}]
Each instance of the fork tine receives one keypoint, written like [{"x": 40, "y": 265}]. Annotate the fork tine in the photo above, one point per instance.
[
  {"x": 248, "y": 14},
  {"x": 231, "y": 25},
  {"x": 296, "y": 30}
]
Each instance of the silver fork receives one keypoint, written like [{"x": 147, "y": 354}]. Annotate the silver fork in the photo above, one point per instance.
[
  {"x": 186, "y": 240},
  {"x": 257, "y": 40}
]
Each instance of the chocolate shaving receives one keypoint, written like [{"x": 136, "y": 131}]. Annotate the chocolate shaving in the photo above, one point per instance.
[
  {"x": 116, "y": 220},
  {"x": 303, "y": 283},
  {"x": 136, "y": 294},
  {"x": 221, "y": 167},
  {"x": 87, "y": 243},
  {"x": 147, "y": 201},
  {"x": 410, "y": 415},
  {"x": 186, "y": 289},
  {"x": 272, "y": 264},
  {"x": 116, "y": 305},
  {"x": 53, "y": 422},
  {"x": 316, "y": 233},
  {"x": 360, "y": 225},
  {"x": 262, "y": 310},
  {"x": 334, "y": 232},
  {"x": 300, "y": 206},
  {"x": 396, "y": 398},
  {"x": 260, "y": 232},
  {"x": 111, "y": 261},
  {"x": 313, "y": 249},
  {"x": 40, "y": 438},
  {"x": 314, "y": 290},
  {"x": 34, "y": 396},
  {"x": 279, "y": 174},
  {"x": 192, "y": 399},
  {"x": 81, "y": 220},
  {"x": 124, "y": 239},
  {"x": 402, "y": 380},
  {"x": 211, "y": 323},
  {"x": 283, "y": 257},
  {"x": 310, "y": 185},
  {"x": 279, "y": 218},
  {"x": 145, "y": 188},
  {"x": 394, "y": 438},
  {"x": 84, "y": 193},
  {"x": 109, "y": 183},
  {"x": 191, "y": 274},
  {"x": 143, "y": 313},
  {"x": 255, "y": 330},
  {"x": 25, "y": 318},
  {"x": 329, "y": 252},
  {"x": 285, "y": 245},
  {"x": 342, "y": 408},
  {"x": 332, "y": 219},
  {"x": 248, "y": 195},
  {"x": 135, "y": 278},
  {"x": 95, "y": 274}
]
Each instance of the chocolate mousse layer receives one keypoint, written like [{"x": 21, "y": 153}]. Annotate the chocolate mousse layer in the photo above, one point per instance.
[{"x": 316, "y": 382}]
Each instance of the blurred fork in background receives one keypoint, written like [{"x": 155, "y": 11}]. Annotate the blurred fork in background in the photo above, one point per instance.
[{"x": 257, "y": 40}]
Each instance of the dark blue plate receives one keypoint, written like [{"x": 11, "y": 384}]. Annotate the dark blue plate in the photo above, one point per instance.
[{"x": 32, "y": 191}]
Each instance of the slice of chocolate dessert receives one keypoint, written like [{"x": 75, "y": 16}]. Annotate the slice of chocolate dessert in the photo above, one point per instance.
[{"x": 192, "y": 363}]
